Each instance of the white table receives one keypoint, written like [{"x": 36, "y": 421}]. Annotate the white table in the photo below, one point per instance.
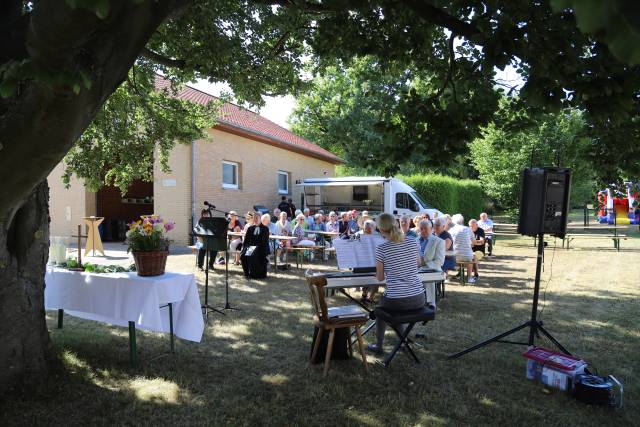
[{"x": 166, "y": 303}]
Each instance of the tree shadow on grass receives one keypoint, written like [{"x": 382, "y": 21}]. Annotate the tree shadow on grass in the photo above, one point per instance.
[{"x": 252, "y": 367}]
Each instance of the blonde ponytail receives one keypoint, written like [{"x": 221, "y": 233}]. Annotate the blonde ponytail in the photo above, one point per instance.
[{"x": 388, "y": 224}]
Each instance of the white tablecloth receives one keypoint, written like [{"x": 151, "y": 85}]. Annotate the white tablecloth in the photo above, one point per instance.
[{"x": 118, "y": 298}]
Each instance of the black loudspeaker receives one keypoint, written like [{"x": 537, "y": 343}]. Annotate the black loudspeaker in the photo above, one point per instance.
[
  {"x": 544, "y": 202},
  {"x": 214, "y": 232}
]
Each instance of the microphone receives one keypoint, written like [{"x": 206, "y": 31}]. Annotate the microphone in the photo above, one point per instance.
[{"x": 209, "y": 204}]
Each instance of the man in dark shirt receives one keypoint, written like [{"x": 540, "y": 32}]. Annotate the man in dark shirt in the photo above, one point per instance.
[
  {"x": 292, "y": 208},
  {"x": 479, "y": 244},
  {"x": 284, "y": 206}
]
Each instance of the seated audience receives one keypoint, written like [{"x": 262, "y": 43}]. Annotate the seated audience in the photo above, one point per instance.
[
  {"x": 463, "y": 240},
  {"x": 397, "y": 262},
  {"x": 236, "y": 243},
  {"x": 431, "y": 247},
  {"x": 332, "y": 225},
  {"x": 479, "y": 243},
  {"x": 299, "y": 234},
  {"x": 362, "y": 218},
  {"x": 276, "y": 215},
  {"x": 368, "y": 228},
  {"x": 308, "y": 218},
  {"x": 317, "y": 225},
  {"x": 353, "y": 222},
  {"x": 283, "y": 228},
  {"x": 487, "y": 225},
  {"x": 405, "y": 223},
  {"x": 343, "y": 225},
  {"x": 449, "y": 258}
]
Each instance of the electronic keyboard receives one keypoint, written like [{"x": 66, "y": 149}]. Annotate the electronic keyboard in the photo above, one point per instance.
[{"x": 348, "y": 279}]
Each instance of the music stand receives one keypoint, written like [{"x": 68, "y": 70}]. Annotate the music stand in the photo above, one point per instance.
[{"x": 214, "y": 234}]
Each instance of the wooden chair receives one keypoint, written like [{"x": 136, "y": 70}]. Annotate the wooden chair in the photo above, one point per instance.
[{"x": 331, "y": 318}]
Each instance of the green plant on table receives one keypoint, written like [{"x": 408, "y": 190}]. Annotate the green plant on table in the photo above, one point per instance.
[{"x": 149, "y": 234}]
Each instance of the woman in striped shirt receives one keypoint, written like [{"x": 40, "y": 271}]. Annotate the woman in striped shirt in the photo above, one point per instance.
[{"x": 397, "y": 262}]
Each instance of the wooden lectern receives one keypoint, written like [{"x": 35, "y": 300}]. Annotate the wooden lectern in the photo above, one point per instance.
[{"x": 94, "y": 243}]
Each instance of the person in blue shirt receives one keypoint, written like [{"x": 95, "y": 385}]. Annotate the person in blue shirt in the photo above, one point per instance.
[{"x": 405, "y": 223}]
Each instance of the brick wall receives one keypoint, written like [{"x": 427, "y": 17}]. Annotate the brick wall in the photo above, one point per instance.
[
  {"x": 259, "y": 164},
  {"x": 172, "y": 192}
]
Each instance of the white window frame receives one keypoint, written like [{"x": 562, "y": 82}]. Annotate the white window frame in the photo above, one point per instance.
[
  {"x": 288, "y": 175},
  {"x": 237, "y": 175}
]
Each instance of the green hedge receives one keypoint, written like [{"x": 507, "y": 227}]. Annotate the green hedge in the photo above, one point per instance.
[{"x": 450, "y": 195}]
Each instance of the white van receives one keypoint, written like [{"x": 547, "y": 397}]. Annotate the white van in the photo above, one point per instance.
[{"x": 373, "y": 194}]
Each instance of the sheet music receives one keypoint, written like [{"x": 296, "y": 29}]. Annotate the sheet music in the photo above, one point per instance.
[{"x": 357, "y": 253}]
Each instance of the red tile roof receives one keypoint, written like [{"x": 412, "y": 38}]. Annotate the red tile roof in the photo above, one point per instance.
[{"x": 238, "y": 120}]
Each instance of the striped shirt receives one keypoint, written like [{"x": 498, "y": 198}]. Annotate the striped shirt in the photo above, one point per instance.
[
  {"x": 400, "y": 261},
  {"x": 462, "y": 237}
]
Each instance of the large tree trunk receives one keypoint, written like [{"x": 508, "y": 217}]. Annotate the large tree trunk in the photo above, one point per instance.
[
  {"x": 24, "y": 244},
  {"x": 38, "y": 125}
]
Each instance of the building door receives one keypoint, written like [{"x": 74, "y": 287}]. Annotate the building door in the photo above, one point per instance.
[{"x": 118, "y": 210}]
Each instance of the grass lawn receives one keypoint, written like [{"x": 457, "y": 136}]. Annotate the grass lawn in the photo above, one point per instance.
[{"x": 251, "y": 367}]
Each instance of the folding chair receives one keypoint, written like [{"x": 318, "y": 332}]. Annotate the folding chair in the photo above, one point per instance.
[{"x": 396, "y": 319}]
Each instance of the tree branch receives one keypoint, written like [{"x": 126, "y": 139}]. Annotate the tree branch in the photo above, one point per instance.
[
  {"x": 439, "y": 17},
  {"x": 163, "y": 60},
  {"x": 309, "y": 6}
]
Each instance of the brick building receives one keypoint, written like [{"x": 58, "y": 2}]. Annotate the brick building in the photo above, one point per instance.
[{"x": 248, "y": 161}]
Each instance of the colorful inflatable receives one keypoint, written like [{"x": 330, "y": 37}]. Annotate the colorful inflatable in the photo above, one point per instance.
[{"x": 618, "y": 210}]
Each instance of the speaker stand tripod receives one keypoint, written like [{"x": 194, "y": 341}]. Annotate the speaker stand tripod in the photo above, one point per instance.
[{"x": 534, "y": 325}]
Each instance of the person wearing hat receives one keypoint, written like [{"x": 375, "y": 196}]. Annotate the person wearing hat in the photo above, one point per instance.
[{"x": 236, "y": 242}]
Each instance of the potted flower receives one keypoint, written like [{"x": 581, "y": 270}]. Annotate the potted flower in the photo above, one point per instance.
[{"x": 148, "y": 242}]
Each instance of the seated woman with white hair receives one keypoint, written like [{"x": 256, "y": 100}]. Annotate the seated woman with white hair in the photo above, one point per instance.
[
  {"x": 299, "y": 234},
  {"x": 368, "y": 228},
  {"x": 463, "y": 241}
]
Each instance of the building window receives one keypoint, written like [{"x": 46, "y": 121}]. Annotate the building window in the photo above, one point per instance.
[
  {"x": 229, "y": 175},
  {"x": 283, "y": 182}
]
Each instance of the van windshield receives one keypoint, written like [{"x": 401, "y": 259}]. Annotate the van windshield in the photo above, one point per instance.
[{"x": 419, "y": 200}]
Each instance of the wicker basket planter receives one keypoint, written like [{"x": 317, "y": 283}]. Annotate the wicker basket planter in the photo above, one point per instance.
[{"x": 150, "y": 263}]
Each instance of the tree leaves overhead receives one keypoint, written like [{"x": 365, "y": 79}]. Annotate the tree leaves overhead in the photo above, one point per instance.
[{"x": 381, "y": 115}]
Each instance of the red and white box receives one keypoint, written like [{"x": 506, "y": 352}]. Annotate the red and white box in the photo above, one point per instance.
[{"x": 552, "y": 368}]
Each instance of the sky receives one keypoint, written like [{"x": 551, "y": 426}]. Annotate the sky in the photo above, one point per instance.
[{"x": 277, "y": 109}]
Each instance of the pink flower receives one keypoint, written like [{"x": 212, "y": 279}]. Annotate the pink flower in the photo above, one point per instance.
[{"x": 168, "y": 226}]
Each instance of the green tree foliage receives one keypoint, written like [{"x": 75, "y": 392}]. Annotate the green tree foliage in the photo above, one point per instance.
[
  {"x": 450, "y": 195},
  {"x": 388, "y": 117},
  {"x": 506, "y": 148}
]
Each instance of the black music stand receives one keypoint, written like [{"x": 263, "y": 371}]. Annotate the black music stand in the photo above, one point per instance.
[{"x": 213, "y": 232}]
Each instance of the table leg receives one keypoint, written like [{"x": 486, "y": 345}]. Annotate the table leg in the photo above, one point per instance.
[
  {"x": 133, "y": 356},
  {"x": 462, "y": 268},
  {"x": 275, "y": 256},
  {"x": 171, "y": 326},
  {"x": 60, "y": 317}
]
